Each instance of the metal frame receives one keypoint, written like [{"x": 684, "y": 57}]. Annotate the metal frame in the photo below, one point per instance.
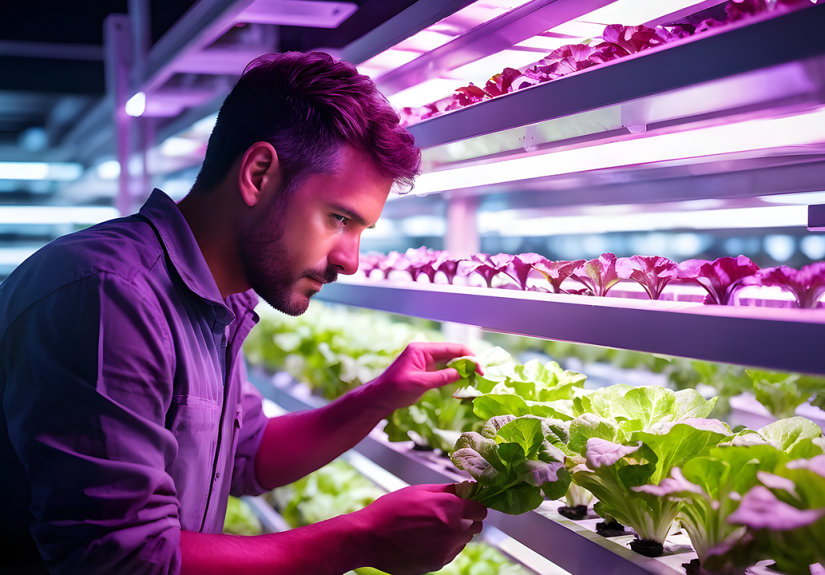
[
  {"x": 771, "y": 338},
  {"x": 489, "y": 38},
  {"x": 562, "y": 542},
  {"x": 417, "y": 17},
  {"x": 733, "y": 50}
]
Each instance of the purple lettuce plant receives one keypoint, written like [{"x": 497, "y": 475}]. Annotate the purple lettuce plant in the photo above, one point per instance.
[
  {"x": 483, "y": 265},
  {"x": 369, "y": 262},
  {"x": 394, "y": 262},
  {"x": 421, "y": 262},
  {"x": 720, "y": 278},
  {"x": 653, "y": 273},
  {"x": 518, "y": 267},
  {"x": 556, "y": 272},
  {"x": 447, "y": 265},
  {"x": 807, "y": 284},
  {"x": 598, "y": 275}
]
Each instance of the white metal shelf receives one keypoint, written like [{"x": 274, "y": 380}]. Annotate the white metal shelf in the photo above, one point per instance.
[
  {"x": 565, "y": 543},
  {"x": 770, "y": 338}
]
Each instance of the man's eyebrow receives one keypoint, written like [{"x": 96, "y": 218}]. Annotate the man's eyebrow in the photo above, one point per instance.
[{"x": 357, "y": 218}]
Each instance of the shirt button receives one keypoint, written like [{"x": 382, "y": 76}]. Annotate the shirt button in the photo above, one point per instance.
[{"x": 218, "y": 475}]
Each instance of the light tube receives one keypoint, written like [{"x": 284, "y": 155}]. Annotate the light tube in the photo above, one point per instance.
[
  {"x": 57, "y": 171},
  {"x": 739, "y": 137},
  {"x": 15, "y": 256},
  {"x": 428, "y": 91},
  {"x": 511, "y": 225},
  {"x": 53, "y": 215}
]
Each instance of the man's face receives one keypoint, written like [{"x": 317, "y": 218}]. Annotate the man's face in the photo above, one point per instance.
[{"x": 298, "y": 243}]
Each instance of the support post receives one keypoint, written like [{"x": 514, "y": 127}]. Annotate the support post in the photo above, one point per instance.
[
  {"x": 141, "y": 25},
  {"x": 117, "y": 36},
  {"x": 462, "y": 241}
]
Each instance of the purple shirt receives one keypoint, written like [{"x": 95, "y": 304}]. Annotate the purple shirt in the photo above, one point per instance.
[{"x": 126, "y": 411}]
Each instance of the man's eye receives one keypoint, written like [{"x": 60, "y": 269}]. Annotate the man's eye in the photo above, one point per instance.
[{"x": 342, "y": 219}]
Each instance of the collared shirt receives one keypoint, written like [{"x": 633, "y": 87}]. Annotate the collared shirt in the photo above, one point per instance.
[{"x": 126, "y": 411}]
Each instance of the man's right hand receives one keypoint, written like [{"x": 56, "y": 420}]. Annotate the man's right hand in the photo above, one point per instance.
[{"x": 418, "y": 529}]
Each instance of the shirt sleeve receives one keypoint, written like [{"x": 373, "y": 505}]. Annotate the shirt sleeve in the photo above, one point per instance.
[
  {"x": 89, "y": 381},
  {"x": 252, "y": 422}
]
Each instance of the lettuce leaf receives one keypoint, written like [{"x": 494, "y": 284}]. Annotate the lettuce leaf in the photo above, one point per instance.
[
  {"x": 598, "y": 275},
  {"x": 653, "y": 273},
  {"x": 720, "y": 278},
  {"x": 556, "y": 272},
  {"x": 515, "y": 462}
]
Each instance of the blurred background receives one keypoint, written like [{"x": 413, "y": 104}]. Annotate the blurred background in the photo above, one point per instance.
[{"x": 88, "y": 87}]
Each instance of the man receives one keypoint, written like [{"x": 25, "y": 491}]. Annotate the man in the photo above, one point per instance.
[{"x": 127, "y": 416}]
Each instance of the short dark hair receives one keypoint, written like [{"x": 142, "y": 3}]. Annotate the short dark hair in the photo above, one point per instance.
[{"x": 308, "y": 106}]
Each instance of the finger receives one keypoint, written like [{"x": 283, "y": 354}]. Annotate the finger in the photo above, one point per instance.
[
  {"x": 443, "y": 351},
  {"x": 436, "y": 487},
  {"x": 432, "y": 379},
  {"x": 475, "y": 528},
  {"x": 464, "y": 525},
  {"x": 474, "y": 510}
]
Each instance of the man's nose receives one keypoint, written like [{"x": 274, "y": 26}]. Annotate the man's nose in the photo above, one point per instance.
[{"x": 344, "y": 256}]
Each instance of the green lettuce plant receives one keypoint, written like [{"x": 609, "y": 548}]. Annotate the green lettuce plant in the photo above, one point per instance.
[
  {"x": 331, "y": 349},
  {"x": 785, "y": 515},
  {"x": 437, "y": 419},
  {"x": 709, "y": 489},
  {"x": 508, "y": 388},
  {"x": 240, "y": 519},
  {"x": 515, "y": 462},
  {"x": 628, "y": 437}
]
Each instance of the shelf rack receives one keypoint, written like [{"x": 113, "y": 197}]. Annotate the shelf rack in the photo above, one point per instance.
[
  {"x": 771, "y": 338},
  {"x": 566, "y": 544},
  {"x": 732, "y": 50}
]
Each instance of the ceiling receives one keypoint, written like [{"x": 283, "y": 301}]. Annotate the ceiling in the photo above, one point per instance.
[{"x": 52, "y": 78}]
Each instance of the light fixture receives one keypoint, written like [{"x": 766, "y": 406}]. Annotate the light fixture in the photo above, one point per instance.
[
  {"x": 428, "y": 91},
  {"x": 179, "y": 147},
  {"x": 54, "y": 215},
  {"x": 15, "y": 256},
  {"x": 743, "y": 136},
  {"x": 136, "y": 105},
  {"x": 512, "y": 225},
  {"x": 57, "y": 171},
  {"x": 108, "y": 170}
]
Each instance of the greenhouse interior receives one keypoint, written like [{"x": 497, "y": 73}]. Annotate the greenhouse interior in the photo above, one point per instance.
[{"x": 620, "y": 211}]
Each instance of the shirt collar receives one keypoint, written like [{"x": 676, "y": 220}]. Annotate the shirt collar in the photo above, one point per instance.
[{"x": 186, "y": 255}]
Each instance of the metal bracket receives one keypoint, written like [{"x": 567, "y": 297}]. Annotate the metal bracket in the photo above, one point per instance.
[{"x": 816, "y": 218}]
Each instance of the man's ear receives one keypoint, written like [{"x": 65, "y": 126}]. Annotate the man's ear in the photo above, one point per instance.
[{"x": 259, "y": 173}]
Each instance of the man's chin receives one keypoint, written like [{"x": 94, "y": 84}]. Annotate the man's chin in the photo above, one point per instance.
[{"x": 295, "y": 305}]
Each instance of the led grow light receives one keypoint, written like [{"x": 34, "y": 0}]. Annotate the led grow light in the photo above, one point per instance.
[
  {"x": 15, "y": 256},
  {"x": 511, "y": 224},
  {"x": 52, "y": 215},
  {"x": 744, "y": 136},
  {"x": 56, "y": 171}
]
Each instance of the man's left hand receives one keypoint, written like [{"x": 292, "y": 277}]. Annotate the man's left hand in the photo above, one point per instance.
[{"x": 416, "y": 371}]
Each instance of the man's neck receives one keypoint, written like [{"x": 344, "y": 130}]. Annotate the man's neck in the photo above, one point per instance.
[{"x": 210, "y": 218}]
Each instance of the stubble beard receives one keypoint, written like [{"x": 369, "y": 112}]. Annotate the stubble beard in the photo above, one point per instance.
[{"x": 268, "y": 265}]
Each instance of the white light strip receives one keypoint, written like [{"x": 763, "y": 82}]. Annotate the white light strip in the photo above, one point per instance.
[
  {"x": 52, "y": 215},
  {"x": 736, "y": 218},
  {"x": 58, "y": 171},
  {"x": 15, "y": 256},
  {"x": 743, "y": 136}
]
